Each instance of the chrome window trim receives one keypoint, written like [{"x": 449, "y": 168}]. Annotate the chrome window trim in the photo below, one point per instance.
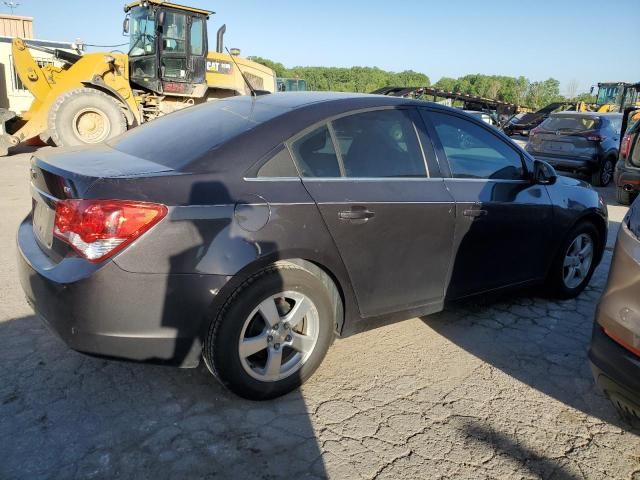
[
  {"x": 272, "y": 179},
  {"x": 494, "y": 180},
  {"x": 400, "y": 202},
  {"x": 372, "y": 179}
]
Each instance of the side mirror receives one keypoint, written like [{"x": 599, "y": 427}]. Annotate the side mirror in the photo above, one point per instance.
[
  {"x": 125, "y": 25},
  {"x": 160, "y": 18},
  {"x": 543, "y": 173}
]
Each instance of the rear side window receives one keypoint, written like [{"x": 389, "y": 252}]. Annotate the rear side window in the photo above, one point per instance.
[
  {"x": 316, "y": 154},
  {"x": 379, "y": 144},
  {"x": 474, "y": 152},
  {"x": 280, "y": 165}
]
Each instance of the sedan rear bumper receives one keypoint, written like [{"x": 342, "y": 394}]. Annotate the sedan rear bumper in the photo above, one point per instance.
[{"x": 104, "y": 310}]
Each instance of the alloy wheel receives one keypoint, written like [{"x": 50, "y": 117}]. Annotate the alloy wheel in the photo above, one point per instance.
[
  {"x": 278, "y": 336},
  {"x": 577, "y": 261}
]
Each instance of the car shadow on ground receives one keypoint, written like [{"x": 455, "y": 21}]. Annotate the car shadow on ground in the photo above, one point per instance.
[
  {"x": 535, "y": 339},
  {"x": 68, "y": 415}
]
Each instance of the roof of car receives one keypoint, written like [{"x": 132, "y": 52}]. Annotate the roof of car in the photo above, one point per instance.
[{"x": 294, "y": 100}]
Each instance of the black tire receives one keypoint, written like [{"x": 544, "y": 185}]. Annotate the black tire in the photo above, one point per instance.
[
  {"x": 624, "y": 197},
  {"x": 555, "y": 279},
  {"x": 85, "y": 116},
  {"x": 221, "y": 347},
  {"x": 604, "y": 174}
]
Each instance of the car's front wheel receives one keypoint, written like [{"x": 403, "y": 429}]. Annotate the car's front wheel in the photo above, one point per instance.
[
  {"x": 272, "y": 333},
  {"x": 575, "y": 262}
]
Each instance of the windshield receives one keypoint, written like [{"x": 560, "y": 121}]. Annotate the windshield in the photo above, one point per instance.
[
  {"x": 570, "y": 123},
  {"x": 607, "y": 94},
  {"x": 142, "y": 36}
]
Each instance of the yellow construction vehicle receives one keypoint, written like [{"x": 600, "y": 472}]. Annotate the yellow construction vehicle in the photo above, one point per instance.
[
  {"x": 96, "y": 96},
  {"x": 612, "y": 97}
]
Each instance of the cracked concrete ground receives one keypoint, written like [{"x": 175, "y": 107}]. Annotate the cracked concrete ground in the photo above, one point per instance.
[{"x": 494, "y": 388}]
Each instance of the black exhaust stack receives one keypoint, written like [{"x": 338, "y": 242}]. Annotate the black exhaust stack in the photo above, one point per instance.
[{"x": 220, "y": 39}]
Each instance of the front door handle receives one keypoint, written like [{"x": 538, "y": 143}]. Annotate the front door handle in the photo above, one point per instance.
[
  {"x": 474, "y": 212},
  {"x": 356, "y": 214}
]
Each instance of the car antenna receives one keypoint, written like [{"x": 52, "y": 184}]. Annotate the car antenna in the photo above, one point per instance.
[{"x": 246, "y": 80}]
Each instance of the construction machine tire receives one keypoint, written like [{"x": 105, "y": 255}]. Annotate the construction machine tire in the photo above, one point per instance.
[{"x": 85, "y": 116}]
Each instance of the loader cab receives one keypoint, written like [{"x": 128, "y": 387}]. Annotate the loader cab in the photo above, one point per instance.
[
  {"x": 616, "y": 96},
  {"x": 167, "y": 47}
]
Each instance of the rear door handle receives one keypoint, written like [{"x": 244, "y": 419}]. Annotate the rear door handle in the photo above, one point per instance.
[
  {"x": 474, "y": 212},
  {"x": 357, "y": 213}
]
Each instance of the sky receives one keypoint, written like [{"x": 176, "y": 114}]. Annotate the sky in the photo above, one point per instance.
[{"x": 583, "y": 41}]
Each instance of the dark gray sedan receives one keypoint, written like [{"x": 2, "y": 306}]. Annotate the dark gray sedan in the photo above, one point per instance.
[{"x": 250, "y": 231}]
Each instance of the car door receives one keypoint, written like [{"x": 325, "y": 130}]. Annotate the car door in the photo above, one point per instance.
[
  {"x": 503, "y": 219},
  {"x": 392, "y": 223}
]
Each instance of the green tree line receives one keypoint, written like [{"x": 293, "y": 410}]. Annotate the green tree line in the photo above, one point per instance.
[
  {"x": 519, "y": 90},
  {"x": 353, "y": 79}
]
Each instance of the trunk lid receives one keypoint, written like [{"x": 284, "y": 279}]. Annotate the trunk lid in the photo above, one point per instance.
[{"x": 79, "y": 167}]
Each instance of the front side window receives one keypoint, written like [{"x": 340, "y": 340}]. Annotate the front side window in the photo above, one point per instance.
[
  {"x": 474, "y": 152},
  {"x": 316, "y": 155},
  {"x": 379, "y": 144},
  {"x": 174, "y": 33},
  {"x": 197, "y": 38},
  {"x": 143, "y": 30}
]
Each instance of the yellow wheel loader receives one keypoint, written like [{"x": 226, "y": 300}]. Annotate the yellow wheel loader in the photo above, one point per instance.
[
  {"x": 612, "y": 97},
  {"x": 96, "y": 96}
]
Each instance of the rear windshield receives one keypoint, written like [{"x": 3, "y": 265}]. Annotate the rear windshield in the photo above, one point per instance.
[
  {"x": 179, "y": 138},
  {"x": 570, "y": 123}
]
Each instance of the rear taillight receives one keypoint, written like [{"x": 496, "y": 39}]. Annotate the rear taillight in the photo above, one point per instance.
[
  {"x": 625, "y": 145},
  {"x": 97, "y": 229},
  {"x": 595, "y": 137}
]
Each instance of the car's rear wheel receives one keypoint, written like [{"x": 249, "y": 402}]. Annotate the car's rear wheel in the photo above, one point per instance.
[
  {"x": 575, "y": 262},
  {"x": 272, "y": 333},
  {"x": 604, "y": 174},
  {"x": 624, "y": 197}
]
